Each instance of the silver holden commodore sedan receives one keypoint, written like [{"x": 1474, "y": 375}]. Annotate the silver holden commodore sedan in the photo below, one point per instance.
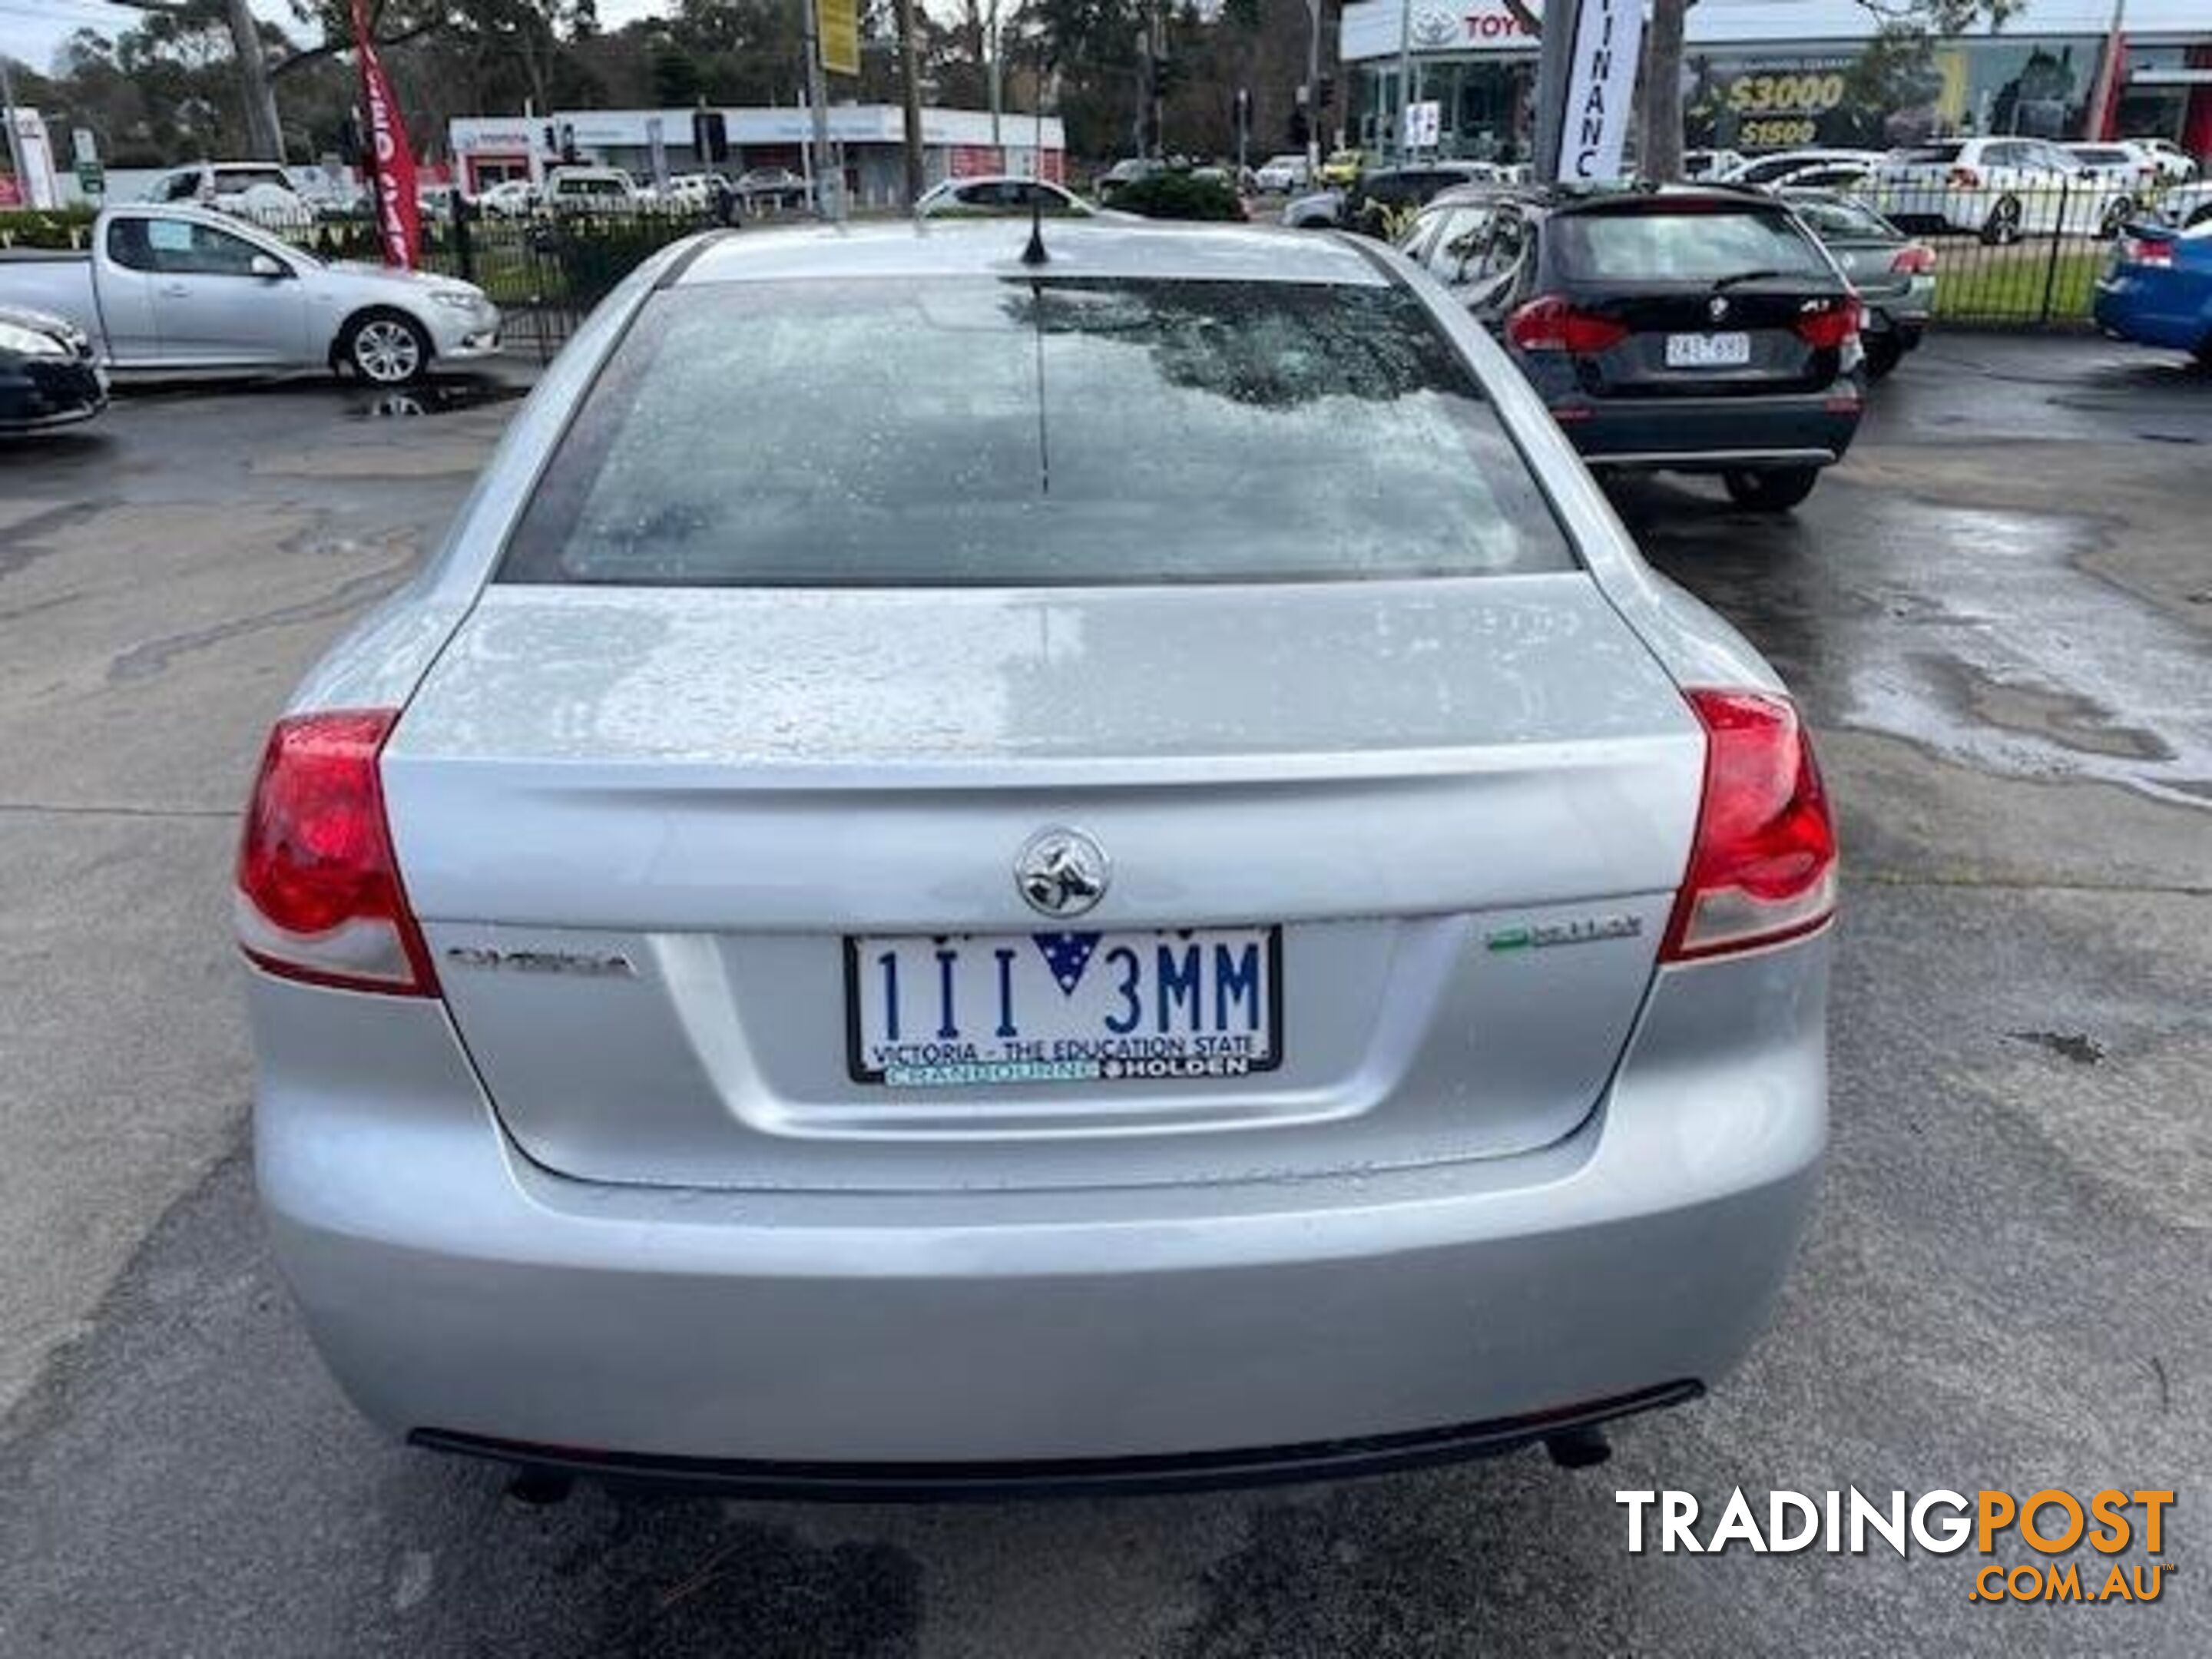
[{"x": 983, "y": 864}]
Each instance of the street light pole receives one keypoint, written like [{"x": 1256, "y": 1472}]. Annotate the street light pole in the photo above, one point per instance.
[
  {"x": 910, "y": 102},
  {"x": 829, "y": 194},
  {"x": 1405, "y": 75},
  {"x": 991, "y": 44},
  {"x": 1313, "y": 94}
]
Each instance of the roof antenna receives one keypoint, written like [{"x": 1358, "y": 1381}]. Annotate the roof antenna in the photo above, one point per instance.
[{"x": 1034, "y": 254}]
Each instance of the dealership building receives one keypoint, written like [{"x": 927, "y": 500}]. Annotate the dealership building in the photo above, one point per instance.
[
  {"x": 867, "y": 139},
  {"x": 1764, "y": 74}
]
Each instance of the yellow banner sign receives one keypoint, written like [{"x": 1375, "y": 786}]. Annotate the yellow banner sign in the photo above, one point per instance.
[{"x": 837, "y": 27}]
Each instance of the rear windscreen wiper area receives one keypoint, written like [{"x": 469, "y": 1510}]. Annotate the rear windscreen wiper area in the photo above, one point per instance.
[{"x": 1734, "y": 278}]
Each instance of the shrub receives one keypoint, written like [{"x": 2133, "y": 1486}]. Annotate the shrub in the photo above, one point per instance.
[
  {"x": 1179, "y": 195},
  {"x": 46, "y": 227}
]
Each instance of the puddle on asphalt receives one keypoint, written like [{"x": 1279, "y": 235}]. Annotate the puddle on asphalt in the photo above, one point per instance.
[
  {"x": 434, "y": 397},
  {"x": 2065, "y": 717},
  {"x": 1966, "y": 630}
]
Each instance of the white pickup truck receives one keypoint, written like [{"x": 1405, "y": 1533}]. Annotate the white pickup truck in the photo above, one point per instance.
[{"x": 175, "y": 291}]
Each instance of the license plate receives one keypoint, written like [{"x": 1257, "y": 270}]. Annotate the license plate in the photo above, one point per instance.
[
  {"x": 968, "y": 1010},
  {"x": 1728, "y": 350}
]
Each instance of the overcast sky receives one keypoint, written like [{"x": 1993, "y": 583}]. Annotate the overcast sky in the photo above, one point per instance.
[{"x": 30, "y": 30}]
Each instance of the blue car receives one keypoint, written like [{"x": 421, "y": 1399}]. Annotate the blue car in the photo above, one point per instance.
[{"x": 2159, "y": 290}]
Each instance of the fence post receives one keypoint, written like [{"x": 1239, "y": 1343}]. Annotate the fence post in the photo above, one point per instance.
[
  {"x": 464, "y": 246},
  {"x": 2057, "y": 236}
]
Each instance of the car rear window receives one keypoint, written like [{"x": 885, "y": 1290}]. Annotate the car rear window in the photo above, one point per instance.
[
  {"x": 1760, "y": 172},
  {"x": 1701, "y": 244},
  {"x": 1832, "y": 216},
  {"x": 1945, "y": 152},
  {"x": 988, "y": 432}
]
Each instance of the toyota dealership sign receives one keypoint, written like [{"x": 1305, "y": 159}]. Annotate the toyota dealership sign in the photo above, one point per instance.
[{"x": 1371, "y": 30}]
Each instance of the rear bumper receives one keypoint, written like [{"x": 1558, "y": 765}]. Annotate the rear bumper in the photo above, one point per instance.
[
  {"x": 467, "y": 1297},
  {"x": 938, "y": 1482},
  {"x": 1905, "y": 312},
  {"x": 1714, "y": 434}
]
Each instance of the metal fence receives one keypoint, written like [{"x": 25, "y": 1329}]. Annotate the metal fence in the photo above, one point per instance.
[
  {"x": 2006, "y": 256},
  {"x": 2024, "y": 256},
  {"x": 546, "y": 272}
]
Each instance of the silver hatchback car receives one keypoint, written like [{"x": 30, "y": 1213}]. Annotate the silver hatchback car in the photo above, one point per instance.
[{"x": 984, "y": 864}]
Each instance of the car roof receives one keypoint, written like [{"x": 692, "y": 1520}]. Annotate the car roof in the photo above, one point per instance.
[
  {"x": 1477, "y": 190},
  {"x": 963, "y": 247},
  {"x": 1712, "y": 191},
  {"x": 994, "y": 179}
]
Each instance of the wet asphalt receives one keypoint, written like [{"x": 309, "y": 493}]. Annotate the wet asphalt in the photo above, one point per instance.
[{"x": 1999, "y": 615}]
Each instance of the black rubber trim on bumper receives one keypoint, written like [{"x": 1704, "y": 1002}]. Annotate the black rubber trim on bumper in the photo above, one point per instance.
[{"x": 1325, "y": 1460}]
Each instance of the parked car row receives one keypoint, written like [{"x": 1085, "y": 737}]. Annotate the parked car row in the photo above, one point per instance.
[
  {"x": 1376, "y": 202},
  {"x": 1999, "y": 188}
]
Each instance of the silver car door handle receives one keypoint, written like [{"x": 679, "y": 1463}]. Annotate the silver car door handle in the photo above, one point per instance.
[{"x": 174, "y": 290}]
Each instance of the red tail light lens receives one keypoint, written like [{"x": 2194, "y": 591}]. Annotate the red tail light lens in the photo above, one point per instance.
[
  {"x": 1548, "y": 323},
  {"x": 1763, "y": 866},
  {"x": 1831, "y": 327},
  {"x": 1966, "y": 179},
  {"x": 1916, "y": 260},
  {"x": 2145, "y": 251},
  {"x": 318, "y": 895}
]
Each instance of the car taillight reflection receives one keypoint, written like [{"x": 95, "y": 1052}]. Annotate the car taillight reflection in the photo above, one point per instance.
[{"x": 1916, "y": 260}]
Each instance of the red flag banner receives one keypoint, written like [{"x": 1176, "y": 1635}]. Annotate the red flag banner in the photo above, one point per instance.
[{"x": 398, "y": 221}]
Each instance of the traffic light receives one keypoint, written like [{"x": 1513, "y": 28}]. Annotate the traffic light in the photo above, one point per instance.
[
  {"x": 710, "y": 136},
  {"x": 1300, "y": 131},
  {"x": 1328, "y": 91}
]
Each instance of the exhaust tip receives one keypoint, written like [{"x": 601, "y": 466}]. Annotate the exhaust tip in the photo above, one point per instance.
[{"x": 1578, "y": 1449}]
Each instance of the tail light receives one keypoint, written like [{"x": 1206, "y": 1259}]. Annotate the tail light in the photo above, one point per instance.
[
  {"x": 1763, "y": 866},
  {"x": 318, "y": 895},
  {"x": 1966, "y": 179},
  {"x": 1831, "y": 327},
  {"x": 1916, "y": 260},
  {"x": 2146, "y": 251},
  {"x": 1548, "y": 323}
]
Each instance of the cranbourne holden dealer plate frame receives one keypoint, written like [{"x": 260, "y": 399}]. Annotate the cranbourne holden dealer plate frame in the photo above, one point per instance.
[{"x": 978, "y": 1055}]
